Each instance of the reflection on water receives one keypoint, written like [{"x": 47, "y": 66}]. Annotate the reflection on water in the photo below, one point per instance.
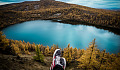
[{"x": 48, "y": 33}]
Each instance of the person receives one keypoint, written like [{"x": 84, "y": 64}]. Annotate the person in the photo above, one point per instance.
[{"x": 58, "y": 63}]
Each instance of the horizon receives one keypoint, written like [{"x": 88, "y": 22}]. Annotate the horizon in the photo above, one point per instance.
[{"x": 106, "y": 4}]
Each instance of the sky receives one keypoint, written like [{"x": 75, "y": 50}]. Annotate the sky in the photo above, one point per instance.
[{"x": 103, "y": 4}]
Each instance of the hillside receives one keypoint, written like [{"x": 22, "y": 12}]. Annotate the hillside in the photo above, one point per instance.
[{"x": 68, "y": 13}]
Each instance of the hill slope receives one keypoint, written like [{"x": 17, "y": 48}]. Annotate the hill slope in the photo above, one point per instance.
[{"x": 68, "y": 13}]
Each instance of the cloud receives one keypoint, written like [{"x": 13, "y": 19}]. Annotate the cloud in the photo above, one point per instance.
[
  {"x": 3, "y": 3},
  {"x": 90, "y": 3},
  {"x": 17, "y": 0},
  {"x": 96, "y": 3}
]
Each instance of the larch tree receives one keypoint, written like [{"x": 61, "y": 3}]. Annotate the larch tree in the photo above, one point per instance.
[
  {"x": 88, "y": 59},
  {"x": 51, "y": 50},
  {"x": 80, "y": 53},
  {"x": 33, "y": 46},
  {"x": 67, "y": 54},
  {"x": 75, "y": 53},
  {"x": 15, "y": 49},
  {"x": 3, "y": 41},
  {"x": 47, "y": 51}
]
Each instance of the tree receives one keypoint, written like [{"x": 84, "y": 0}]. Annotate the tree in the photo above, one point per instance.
[
  {"x": 4, "y": 43},
  {"x": 33, "y": 47},
  {"x": 39, "y": 56},
  {"x": 80, "y": 53},
  {"x": 47, "y": 51},
  {"x": 75, "y": 53},
  {"x": 15, "y": 49},
  {"x": 88, "y": 59},
  {"x": 51, "y": 51},
  {"x": 72, "y": 53},
  {"x": 67, "y": 54}
]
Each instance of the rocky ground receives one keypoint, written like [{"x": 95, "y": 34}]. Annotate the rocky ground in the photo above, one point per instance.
[{"x": 26, "y": 62}]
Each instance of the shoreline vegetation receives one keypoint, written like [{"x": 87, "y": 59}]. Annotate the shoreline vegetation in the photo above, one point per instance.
[
  {"x": 91, "y": 58},
  {"x": 68, "y": 13}
]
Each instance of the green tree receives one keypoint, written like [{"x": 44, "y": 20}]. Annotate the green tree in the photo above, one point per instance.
[{"x": 39, "y": 56}]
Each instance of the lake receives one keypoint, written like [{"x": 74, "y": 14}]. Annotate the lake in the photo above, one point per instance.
[{"x": 48, "y": 33}]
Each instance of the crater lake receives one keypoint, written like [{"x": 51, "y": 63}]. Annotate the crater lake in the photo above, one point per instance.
[{"x": 47, "y": 32}]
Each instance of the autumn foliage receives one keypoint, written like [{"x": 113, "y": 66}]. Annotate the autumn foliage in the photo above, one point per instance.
[
  {"x": 68, "y": 13},
  {"x": 91, "y": 58}
]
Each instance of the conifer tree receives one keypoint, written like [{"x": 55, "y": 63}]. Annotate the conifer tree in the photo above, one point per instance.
[
  {"x": 33, "y": 46},
  {"x": 29, "y": 46},
  {"x": 3, "y": 41},
  {"x": 51, "y": 50},
  {"x": 42, "y": 49},
  {"x": 47, "y": 51},
  {"x": 67, "y": 54},
  {"x": 15, "y": 49},
  {"x": 39, "y": 56},
  {"x": 88, "y": 59},
  {"x": 75, "y": 53},
  {"x": 72, "y": 53}
]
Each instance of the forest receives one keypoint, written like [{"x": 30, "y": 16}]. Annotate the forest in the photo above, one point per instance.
[
  {"x": 91, "y": 58},
  {"x": 68, "y": 13}
]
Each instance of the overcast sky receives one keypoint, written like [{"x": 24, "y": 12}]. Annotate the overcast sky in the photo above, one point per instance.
[{"x": 105, "y": 4}]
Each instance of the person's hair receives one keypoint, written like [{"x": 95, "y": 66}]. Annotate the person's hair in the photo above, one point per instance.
[{"x": 58, "y": 67}]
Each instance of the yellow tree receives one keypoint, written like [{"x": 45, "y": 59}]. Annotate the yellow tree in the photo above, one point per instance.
[
  {"x": 75, "y": 53},
  {"x": 24, "y": 42},
  {"x": 105, "y": 62},
  {"x": 88, "y": 59},
  {"x": 71, "y": 51},
  {"x": 33, "y": 46},
  {"x": 116, "y": 62},
  {"x": 15, "y": 49},
  {"x": 47, "y": 51},
  {"x": 3, "y": 41},
  {"x": 51, "y": 50},
  {"x": 29, "y": 46},
  {"x": 80, "y": 53},
  {"x": 67, "y": 54},
  {"x": 42, "y": 49}
]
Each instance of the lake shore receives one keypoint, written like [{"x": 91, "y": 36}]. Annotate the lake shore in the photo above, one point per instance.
[{"x": 68, "y": 13}]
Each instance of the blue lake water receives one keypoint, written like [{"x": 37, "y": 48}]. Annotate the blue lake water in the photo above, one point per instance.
[{"x": 48, "y": 33}]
